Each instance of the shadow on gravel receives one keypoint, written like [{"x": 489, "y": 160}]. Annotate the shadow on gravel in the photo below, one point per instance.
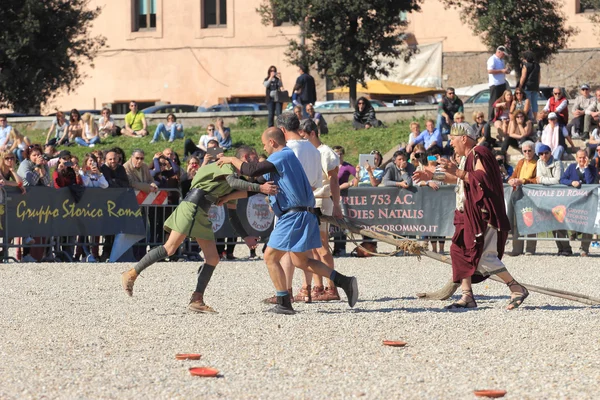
[
  {"x": 403, "y": 309},
  {"x": 384, "y": 299},
  {"x": 556, "y": 308}
]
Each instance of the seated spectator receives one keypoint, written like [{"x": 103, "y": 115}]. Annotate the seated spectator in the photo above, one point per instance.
[
  {"x": 59, "y": 129},
  {"x": 592, "y": 144},
  {"x": 345, "y": 171},
  {"x": 519, "y": 130},
  {"x": 399, "y": 172},
  {"x": 482, "y": 129},
  {"x": 164, "y": 169},
  {"x": 429, "y": 137},
  {"x": 4, "y": 132},
  {"x": 75, "y": 128},
  {"x": 298, "y": 111},
  {"x": 521, "y": 103},
  {"x": 18, "y": 143},
  {"x": 582, "y": 103},
  {"x": 171, "y": 131},
  {"x": 415, "y": 131},
  {"x": 525, "y": 173},
  {"x": 191, "y": 149},
  {"x": 90, "y": 136},
  {"x": 592, "y": 115},
  {"x": 418, "y": 158},
  {"x": 318, "y": 118},
  {"x": 558, "y": 105},
  {"x": 173, "y": 156},
  {"x": 364, "y": 115},
  {"x": 548, "y": 172},
  {"x": 34, "y": 170},
  {"x": 135, "y": 122},
  {"x": 575, "y": 175},
  {"x": 223, "y": 133},
  {"x": 449, "y": 106},
  {"x": 208, "y": 159},
  {"x": 368, "y": 175},
  {"x": 506, "y": 170},
  {"x": 554, "y": 136},
  {"x": 8, "y": 174},
  {"x": 502, "y": 113},
  {"x": 107, "y": 126}
]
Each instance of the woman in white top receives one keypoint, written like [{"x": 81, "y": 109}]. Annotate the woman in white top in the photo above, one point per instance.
[
  {"x": 59, "y": 127},
  {"x": 18, "y": 143},
  {"x": 89, "y": 136},
  {"x": 90, "y": 173},
  {"x": 106, "y": 125}
]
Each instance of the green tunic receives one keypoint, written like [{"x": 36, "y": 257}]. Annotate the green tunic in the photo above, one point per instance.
[{"x": 190, "y": 219}]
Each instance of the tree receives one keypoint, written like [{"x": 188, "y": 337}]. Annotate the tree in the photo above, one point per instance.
[
  {"x": 43, "y": 45},
  {"x": 345, "y": 39},
  {"x": 537, "y": 25}
]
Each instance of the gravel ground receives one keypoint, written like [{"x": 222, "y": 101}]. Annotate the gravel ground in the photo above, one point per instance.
[{"x": 69, "y": 331}]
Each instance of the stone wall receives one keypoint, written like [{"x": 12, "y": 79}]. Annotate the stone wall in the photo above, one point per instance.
[{"x": 569, "y": 68}]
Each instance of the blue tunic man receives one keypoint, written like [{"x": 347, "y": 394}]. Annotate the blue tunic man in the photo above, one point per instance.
[{"x": 297, "y": 227}]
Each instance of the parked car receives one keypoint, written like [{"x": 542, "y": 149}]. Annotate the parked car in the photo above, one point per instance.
[
  {"x": 483, "y": 96},
  {"x": 342, "y": 104},
  {"x": 81, "y": 112},
  {"x": 170, "y": 109},
  {"x": 235, "y": 107}
]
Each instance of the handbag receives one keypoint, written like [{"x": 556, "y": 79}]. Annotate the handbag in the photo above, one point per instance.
[{"x": 282, "y": 96}]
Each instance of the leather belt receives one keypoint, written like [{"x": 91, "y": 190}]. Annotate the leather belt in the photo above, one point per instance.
[
  {"x": 316, "y": 211},
  {"x": 199, "y": 198}
]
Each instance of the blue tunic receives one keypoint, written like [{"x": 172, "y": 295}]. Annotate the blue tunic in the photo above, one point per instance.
[{"x": 294, "y": 231}]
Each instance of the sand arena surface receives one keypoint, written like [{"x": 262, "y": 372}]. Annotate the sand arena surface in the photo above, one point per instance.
[{"x": 69, "y": 331}]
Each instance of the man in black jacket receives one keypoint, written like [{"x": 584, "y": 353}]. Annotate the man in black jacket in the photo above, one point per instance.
[{"x": 308, "y": 92}]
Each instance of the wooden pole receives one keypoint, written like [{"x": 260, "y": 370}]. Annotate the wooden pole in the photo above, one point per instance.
[{"x": 450, "y": 287}]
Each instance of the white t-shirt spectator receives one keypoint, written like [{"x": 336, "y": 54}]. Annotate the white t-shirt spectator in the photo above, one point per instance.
[
  {"x": 495, "y": 63},
  {"x": 310, "y": 158},
  {"x": 329, "y": 161}
]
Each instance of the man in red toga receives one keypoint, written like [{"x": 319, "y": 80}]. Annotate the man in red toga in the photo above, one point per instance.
[{"x": 480, "y": 217}]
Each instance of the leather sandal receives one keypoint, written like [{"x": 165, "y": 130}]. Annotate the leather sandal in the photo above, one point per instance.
[
  {"x": 318, "y": 293},
  {"x": 331, "y": 294},
  {"x": 516, "y": 298},
  {"x": 304, "y": 295},
  {"x": 463, "y": 303}
]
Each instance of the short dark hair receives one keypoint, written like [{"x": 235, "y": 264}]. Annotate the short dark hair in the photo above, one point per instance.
[
  {"x": 243, "y": 150},
  {"x": 304, "y": 68},
  {"x": 289, "y": 121},
  {"x": 308, "y": 125},
  {"x": 528, "y": 56},
  {"x": 340, "y": 149},
  {"x": 400, "y": 153}
]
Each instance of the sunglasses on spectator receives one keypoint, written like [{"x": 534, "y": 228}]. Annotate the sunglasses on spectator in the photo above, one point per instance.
[
  {"x": 585, "y": 89},
  {"x": 9, "y": 159},
  {"x": 139, "y": 158},
  {"x": 556, "y": 93},
  {"x": 449, "y": 93},
  {"x": 544, "y": 153},
  {"x": 210, "y": 129},
  {"x": 520, "y": 116}
]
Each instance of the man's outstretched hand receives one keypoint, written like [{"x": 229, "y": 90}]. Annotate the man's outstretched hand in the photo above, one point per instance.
[{"x": 269, "y": 188}]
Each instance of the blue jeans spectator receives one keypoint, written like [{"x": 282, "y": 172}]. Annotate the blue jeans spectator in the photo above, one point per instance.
[
  {"x": 19, "y": 154},
  {"x": 83, "y": 143},
  {"x": 533, "y": 97},
  {"x": 557, "y": 153},
  {"x": 274, "y": 111},
  {"x": 442, "y": 126},
  {"x": 173, "y": 132}
]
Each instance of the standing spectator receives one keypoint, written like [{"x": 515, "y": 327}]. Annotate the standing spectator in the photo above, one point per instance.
[
  {"x": 368, "y": 175},
  {"x": 107, "y": 126},
  {"x": 449, "y": 106},
  {"x": 548, "y": 172},
  {"x": 557, "y": 104},
  {"x": 135, "y": 122},
  {"x": 223, "y": 133},
  {"x": 399, "y": 172},
  {"x": 172, "y": 129},
  {"x": 75, "y": 128},
  {"x": 582, "y": 103},
  {"x": 519, "y": 131},
  {"x": 4, "y": 132},
  {"x": 554, "y": 136},
  {"x": 200, "y": 150},
  {"x": 90, "y": 136},
  {"x": 18, "y": 143},
  {"x": 497, "y": 77},
  {"x": 306, "y": 85},
  {"x": 502, "y": 113},
  {"x": 430, "y": 137},
  {"x": 592, "y": 115},
  {"x": 522, "y": 103},
  {"x": 364, "y": 115},
  {"x": 59, "y": 128},
  {"x": 273, "y": 85},
  {"x": 530, "y": 80},
  {"x": 318, "y": 118},
  {"x": 525, "y": 173},
  {"x": 345, "y": 172},
  {"x": 506, "y": 170},
  {"x": 575, "y": 175}
]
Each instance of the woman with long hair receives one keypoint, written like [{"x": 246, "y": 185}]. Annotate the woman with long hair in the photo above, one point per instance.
[
  {"x": 8, "y": 174},
  {"x": 273, "y": 84},
  {"x": 59, "y": 128},
  {"x": 75, "y": 128},
  {"x": 89, "y": 136},
  {"x": 19, "y": 143},
  {"x": 502, "y": 115},
  {"x": 519, "y": 131},
  {"x": 521, "y": 102}
]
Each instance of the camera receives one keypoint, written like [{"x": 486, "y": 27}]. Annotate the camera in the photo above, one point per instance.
[
  {"x": 46, "y": 157},
  {"x": 417, "y": 155},
  {"x": 68, "y": 164}
]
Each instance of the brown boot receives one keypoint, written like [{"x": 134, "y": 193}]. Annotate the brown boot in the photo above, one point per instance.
[
  {"x": 273, "y": 299},
  {"x": 304, "y": 295},
  {"x": 197, "y": 304},
  {"x": 331, "y": 294},
  {"x": 128, "y": 279},
  {"x": 317, "y": 293}
]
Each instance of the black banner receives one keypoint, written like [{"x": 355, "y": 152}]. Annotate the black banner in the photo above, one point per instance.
[
  {"x": 255, "y": 215},
  {"x": 413, "y": 212},
  {"x": 44, "y": 211}
]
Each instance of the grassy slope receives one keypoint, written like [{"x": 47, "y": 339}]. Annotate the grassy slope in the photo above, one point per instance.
[{"x": 354, "y": 142}]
